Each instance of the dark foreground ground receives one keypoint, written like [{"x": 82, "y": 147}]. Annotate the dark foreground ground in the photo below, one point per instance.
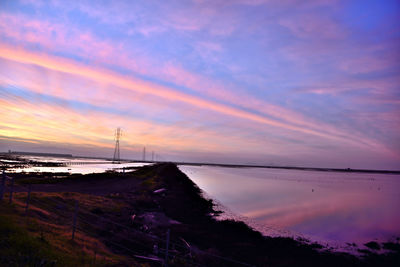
[{"x": 123, "y": 219}]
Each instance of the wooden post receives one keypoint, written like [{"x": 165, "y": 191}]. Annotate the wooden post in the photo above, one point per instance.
[
  {"x": 75, "y": 217},
  {"x": 95, "y": 253},
  {"x": 166, "y": 250},
  {"x": 3, "y": 185},
  {"x": 11, "y": 190},
  {"x": 28, "y": 197}
]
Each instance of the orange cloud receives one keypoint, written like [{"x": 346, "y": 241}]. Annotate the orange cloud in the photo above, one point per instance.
[
  {"x": 107, "y": 77},
  {"x": 51, "y": 123}
]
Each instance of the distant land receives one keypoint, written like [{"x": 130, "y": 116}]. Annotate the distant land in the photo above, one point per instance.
[
  {"x": 228, "y": 165},
  {"x": 45, "y": 154}
]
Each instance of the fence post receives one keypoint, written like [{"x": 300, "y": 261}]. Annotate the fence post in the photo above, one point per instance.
[
  {"x": 11, "y": 189},
  {"x": 166, "y": 250},
  {"x": 95, "y": 253},
  {"x": 75, "y": 217},
  {"x": 28, "y": 197},
  {"x": 3, "y": 185}
]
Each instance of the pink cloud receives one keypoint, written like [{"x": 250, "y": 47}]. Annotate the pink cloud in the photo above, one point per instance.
[
  {"x": 85, "y": 43},
  {"x": 146, "y": 88},
  {"x": 291, "y": 117},
  {"x": 313, "y": 26},
  {"x": 53, "y": 37}
]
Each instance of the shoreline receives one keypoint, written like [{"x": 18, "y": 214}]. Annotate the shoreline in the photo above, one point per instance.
[
  {"x": 227, "y": 165},
  {"x": 162, "y": 197},
  {"x": 349, "y": 246}
]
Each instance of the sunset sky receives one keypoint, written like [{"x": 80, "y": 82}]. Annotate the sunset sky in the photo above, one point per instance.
[{"x": 289, "y": 82}]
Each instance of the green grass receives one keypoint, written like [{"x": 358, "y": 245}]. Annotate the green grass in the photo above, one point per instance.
[
  {"x": 29, "y": 241},
  {"x": 19, "y": 248}
]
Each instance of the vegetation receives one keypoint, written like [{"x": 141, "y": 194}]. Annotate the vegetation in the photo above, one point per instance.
[
  {"x": 31, "y": 242},
  {"x": 124, "y": 217}
]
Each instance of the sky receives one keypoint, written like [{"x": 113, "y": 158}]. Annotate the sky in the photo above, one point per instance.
[{"x": 289, "y": 82}]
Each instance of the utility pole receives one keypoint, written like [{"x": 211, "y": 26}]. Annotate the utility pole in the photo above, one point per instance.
[
  {"x": 144, "y": 153},
  {"x": 118, "y": 134},
  {"x": 3, "y": 185},
  {"x": 152, "y": 156}
]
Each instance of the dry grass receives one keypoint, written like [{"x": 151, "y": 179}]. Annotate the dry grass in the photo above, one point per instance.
[{"x": 49, "y": 225}]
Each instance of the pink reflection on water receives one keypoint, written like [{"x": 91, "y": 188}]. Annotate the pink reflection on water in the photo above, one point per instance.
[
  {"x": 82, "y": 169},
  {"x": 326, "y": 206}
]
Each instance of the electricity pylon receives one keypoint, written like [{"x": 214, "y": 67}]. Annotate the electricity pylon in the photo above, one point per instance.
[{"x": 118, "y": 134}]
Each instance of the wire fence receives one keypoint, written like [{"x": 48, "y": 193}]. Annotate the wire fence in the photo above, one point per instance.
[{"x": 127, "y": 239}]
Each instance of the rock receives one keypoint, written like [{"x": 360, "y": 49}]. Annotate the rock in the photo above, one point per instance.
[{"x": 156, "y": 219}]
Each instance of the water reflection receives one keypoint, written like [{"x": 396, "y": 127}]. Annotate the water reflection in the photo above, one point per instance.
[
  {"x": 98, "y": 167},
  {"x": 326, "y": 206}
]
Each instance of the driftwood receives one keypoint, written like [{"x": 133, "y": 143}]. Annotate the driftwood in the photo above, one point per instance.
[
  {"x": 159, "y": 190},
  {"x": 188, "y": 246},
  {"x": 186, "y": 243},
  {"x": 149, "y": 258}
]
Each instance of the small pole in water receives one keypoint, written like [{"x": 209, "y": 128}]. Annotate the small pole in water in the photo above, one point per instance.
[
  {"x": 11, "y": 190},
  {"x": 74, "y": 220}
]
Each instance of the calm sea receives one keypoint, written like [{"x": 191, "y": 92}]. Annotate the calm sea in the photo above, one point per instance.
[{"x": 334, "y": 207}]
